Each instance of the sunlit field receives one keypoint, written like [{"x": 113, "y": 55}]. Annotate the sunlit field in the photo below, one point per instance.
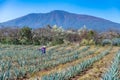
[{"x": 61, "y": 62}]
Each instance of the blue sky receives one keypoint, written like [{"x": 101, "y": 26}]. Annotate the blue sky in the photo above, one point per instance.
[{"x": 107, "y": 9}]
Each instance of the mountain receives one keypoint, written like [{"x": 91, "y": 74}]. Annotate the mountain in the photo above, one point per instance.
[{"x": 64, "y": 19}]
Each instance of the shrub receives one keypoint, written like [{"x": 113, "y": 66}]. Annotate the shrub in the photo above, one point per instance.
[
  {"x": 91, "y": 42},
  {"x": 84, "y": 42},
  {"x": 116, "y": 41},
  {"x": 106, "y": 42},
  {"x": 57, "y": 41}
]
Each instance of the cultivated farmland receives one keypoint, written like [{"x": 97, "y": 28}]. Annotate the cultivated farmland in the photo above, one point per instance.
[{"x": 61, "y": 62}]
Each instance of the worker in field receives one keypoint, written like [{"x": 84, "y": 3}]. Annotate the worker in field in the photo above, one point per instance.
[{"x": 43, "y": 49}]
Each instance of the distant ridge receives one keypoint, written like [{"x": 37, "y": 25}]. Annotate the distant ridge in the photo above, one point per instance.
[{"x": 64, "y": 19}]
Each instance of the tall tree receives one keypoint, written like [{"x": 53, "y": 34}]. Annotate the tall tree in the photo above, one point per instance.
[{"x": 26, "y": 35}]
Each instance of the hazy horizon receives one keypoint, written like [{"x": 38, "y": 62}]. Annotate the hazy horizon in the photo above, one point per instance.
[{"x": 109, "y": 9}]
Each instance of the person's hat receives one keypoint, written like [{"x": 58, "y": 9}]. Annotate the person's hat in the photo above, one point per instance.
[{"x": 44, "y": 46}]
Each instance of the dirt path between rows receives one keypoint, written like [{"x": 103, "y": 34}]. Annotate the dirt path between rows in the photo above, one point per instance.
[{"x": 96, "y": 71}]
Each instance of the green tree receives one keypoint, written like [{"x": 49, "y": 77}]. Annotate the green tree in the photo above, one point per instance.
[
  {"x": 26, "y": 35},
  {"x": 91, "y": 34}
]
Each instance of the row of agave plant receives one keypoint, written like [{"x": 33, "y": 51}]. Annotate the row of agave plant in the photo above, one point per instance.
[
  {"x": 31, "y": 52},
  {"x": 74, "y": 70},
  {"x": 23, "y": 54},
  {"x": 42, "y": 61},
  {"x": 10, "y": 55},
  {"x": 19, "y": 64},
  {"x": 113, "y": 72},
  {"x": 62, "y": 60}
]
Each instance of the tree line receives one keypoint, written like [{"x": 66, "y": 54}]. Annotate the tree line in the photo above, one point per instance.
[{"x": 50, "y": 35}]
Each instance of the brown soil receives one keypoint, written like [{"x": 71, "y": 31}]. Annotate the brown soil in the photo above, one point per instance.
[{"x": 96, "y": 71}]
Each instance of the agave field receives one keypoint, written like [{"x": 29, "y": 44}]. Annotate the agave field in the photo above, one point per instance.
[{"x": 61, "y": 62}]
